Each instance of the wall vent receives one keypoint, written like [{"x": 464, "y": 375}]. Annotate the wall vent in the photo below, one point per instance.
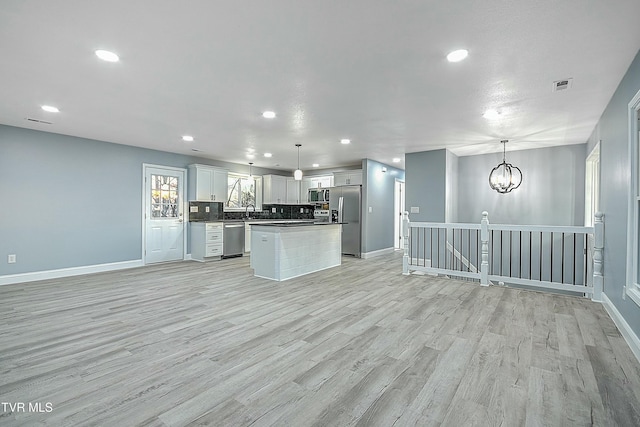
[
  {"x": 561, "y": 85},
  {"x": 29, "y": 119}
]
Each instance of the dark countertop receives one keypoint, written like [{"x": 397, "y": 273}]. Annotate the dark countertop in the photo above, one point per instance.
[
  {"x": 267, "y": 220},
  {"x": 295, "y": 224}
]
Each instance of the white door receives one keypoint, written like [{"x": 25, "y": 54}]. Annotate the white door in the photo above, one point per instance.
[{"x": 163, "y": 214}]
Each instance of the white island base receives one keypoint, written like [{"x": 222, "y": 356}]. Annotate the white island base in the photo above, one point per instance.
[{"x": 284, "y": 251}]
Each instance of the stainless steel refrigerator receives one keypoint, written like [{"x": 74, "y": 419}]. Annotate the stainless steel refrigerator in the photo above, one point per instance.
[{"x": 345, "y": 204}]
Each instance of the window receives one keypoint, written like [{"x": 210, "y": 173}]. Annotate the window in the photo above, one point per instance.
[
  {"x": 633, "y": 227},
  {"x": 244, "y": 191},
  {"x": 164, "y": 196}
]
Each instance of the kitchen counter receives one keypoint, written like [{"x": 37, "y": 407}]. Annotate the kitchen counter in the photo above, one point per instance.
[
  {"x": 293, "y": 224},
  {"x": 291, "y": 249}
]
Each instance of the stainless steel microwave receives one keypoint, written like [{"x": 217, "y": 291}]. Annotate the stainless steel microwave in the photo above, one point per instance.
[
  {"x": 206, "y": 211},
  {"x": 318, "y": 195}
]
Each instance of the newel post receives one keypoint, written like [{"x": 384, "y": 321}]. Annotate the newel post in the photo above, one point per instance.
[
  {"x": 405, "y": 234},
  {"x": 484, "y": 238},
  {"x": 598, "y": 256}
]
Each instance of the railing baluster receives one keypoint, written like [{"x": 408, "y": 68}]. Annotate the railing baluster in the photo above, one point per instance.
[
  {"x": 562, "y": 263},
  {"x": 574, "y": 258},
  {"x": 478, "y": 250},
  {"x": 461, "y": 252},
  {"x": 540, "y": 278},
  {"x": 469, "y": 248},
  {"x": 551, "y": 267},
  {"x": 491, "y": 252},
  {"x": 530, "y": 252},
  {"x": 501, "y": 252},
  {"x": 510, "y": 252},
  {"x": 585, "y": 259},
  {"x": 438, "y": 248},
  {"x": 411, "y": 245},
  {"x": 520, "y": 260}
]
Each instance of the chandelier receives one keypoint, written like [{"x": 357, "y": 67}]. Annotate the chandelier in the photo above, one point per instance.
[{"x": 505, "y": 177}]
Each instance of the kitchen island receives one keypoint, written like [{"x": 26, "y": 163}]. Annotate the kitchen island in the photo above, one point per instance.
[{"x": 287, "y": 250}]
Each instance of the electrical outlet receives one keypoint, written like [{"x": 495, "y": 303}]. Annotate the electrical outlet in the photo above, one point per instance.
[
  {"x": 273, "y": 210},
  {"x": 11, "y": 259},
  {"x": 301, "y": 210},
  {"x": 415, "y": 209}
]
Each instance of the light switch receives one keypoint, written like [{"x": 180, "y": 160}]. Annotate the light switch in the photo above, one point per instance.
[
  {"x": 370, "y": 209},
  {"x": 415, "y": 209},
  {"x": 273, "y": 210}
]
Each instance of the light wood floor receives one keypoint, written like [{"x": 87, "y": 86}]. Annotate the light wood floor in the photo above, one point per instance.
[{"x": 209, "y": 344}]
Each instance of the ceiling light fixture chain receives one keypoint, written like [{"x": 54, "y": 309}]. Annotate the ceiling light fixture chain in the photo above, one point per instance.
[
  {"x": 297, "y": 175},
  {"x": 505, "y": 177}
]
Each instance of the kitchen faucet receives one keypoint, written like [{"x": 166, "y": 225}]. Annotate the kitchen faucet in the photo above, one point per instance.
[{"x": 246, "y": 210}]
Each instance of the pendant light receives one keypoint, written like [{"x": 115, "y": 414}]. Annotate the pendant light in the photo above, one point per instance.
[
  {"x": 505, "y": 177},
  {"x": 297, "y": 175},
  {"x": 250, "y": 174}
]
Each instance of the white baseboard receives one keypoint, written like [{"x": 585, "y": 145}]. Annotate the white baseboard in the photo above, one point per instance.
[
  {"x": 67, "y": 272},
  {"x": 379, "y": 252},
  {"x": 629, "y": 336}
]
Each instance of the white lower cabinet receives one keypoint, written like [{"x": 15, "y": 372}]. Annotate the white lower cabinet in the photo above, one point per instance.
[
  {"x": 206, "y": 240},
  {"x": 247, "y": 237}
]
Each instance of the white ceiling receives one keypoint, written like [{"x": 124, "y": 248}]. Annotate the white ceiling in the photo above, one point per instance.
[{"x": 370, "y": 70}]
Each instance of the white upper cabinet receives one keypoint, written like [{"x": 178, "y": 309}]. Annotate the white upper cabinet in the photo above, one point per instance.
[
  {"x": 207, "y": 183},
  {"x": 293, "y": 192},
  {"x": 274, "y": 188},
  {"x": 353, "y": 177}
]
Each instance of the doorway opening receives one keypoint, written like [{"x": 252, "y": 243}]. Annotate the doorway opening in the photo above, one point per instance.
[
  {"x": 398, "y": 210},
  {"x": 592, "y": 186}
]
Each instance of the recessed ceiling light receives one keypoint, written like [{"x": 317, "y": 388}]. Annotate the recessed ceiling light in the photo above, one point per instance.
[
  {"x": 345, "y": 141},
  {"x": 50, "y": 109},
  {"x": 457, "y": 55},
  {"x": 396, "y": 160},
  {"x": 491, "y": 114},
  {"x": 268, "y": 154},
  {"x": 269, "y": 114},
  {"x": 105, "y": 55},
  {"x": 187, "y": 138},
  {"x": 315, "y": 165}
]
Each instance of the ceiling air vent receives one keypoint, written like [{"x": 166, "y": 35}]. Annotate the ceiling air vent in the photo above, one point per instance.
[
  {"x": 29, "y": 119},
  {"x": 560, "y": 85}
]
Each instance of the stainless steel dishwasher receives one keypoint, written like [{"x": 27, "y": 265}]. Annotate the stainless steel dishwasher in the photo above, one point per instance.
[{"x": 233, "y": 239}]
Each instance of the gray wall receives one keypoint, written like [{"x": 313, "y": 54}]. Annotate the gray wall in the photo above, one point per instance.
[
  {"x": 552, "y": 190},
  {"x": 425, "y": 185},
  {"x": 378, "y": 193},
  {"x": 70, "y": 202},
  {"x": 613, "y": 131}
]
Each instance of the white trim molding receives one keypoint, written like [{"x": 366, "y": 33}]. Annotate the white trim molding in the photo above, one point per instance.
[
  {"x": 632, "y": 287},
  {"x": 629, "y": 336},
  {"x": 366, "y": 255},
  {"x": 68, "y": 272}
]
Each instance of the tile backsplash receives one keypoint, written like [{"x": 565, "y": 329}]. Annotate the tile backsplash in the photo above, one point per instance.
[{"x": 281, "y": 212}]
